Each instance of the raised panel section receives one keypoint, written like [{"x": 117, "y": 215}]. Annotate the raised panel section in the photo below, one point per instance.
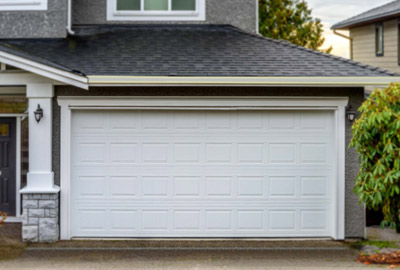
[
  {"x": 124, "y": 220},
  {"x": 314, "y": 153},
  {"x": 313, "y": 220},
  {"x": 282, "y": 121},
  {"x": 250, "y": 220},
  {"x": 187, "y": 152},
  {"x": 219, "y": 153},
  {"x": 123, "y": 186},
  {"x": 219, "y": 186},
  {"x": 218, "y": 120},
  {"x": 121, "y": 121},
  {"x": 250, "y": 153},
  {"x": 90, "y": 153},
  {"x": 155, "y": 186},
  {"x": 282, "y": 153},
  {"x": 91, "y": 186},
  {"x": 314, "y": 121},
  {"x": 187, "y": 120},
  {"x": 282, "y": 186},
  {"x": 90, "y": 220},
  {"x": 250, "y": 186},
  {"x": 312, "y": 186},
  {"x": 219, "y": 220},
  {"x": 155, "y": 152},
  {"x": 282, "y": 220},
  {"x": 187, "y": 220},
  {"x": 155, "y": 120},
  {"x": 250, "y": 120},
  {"x": 154, "y": 220},
  {"x": 124, "y": 153},
  {"x": 187, "y": 186}
]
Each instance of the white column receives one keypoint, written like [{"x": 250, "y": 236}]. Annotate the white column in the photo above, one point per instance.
[{"x": 40, "y": 178}]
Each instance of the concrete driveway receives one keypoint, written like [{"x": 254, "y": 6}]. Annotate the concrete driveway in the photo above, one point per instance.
[{"x": 110, "y": 259}]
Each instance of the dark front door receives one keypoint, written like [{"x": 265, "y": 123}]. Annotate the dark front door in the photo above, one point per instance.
[{"x": 7, "y": 165}]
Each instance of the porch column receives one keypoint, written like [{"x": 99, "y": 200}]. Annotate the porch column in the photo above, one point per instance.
[{"x": 40, "y": 197}]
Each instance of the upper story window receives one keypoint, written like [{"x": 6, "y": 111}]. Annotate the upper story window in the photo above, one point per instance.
[
  {"x": 379, "y": 39},
  {"x": 6, "y": 5},
  {"x": 156, "y": 10}
]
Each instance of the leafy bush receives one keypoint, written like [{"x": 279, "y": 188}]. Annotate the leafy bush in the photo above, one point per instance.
[{"x": 376, "y": 137}]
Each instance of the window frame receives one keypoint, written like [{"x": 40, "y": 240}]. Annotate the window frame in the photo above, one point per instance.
[
  {"x": 15, "y": 5},
  {"x": 118, "y": 15},
  {"x": 379, "y": 32}
]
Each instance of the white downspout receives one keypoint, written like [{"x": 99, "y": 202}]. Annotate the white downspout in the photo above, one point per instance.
[{"x": 69, "y": 18}]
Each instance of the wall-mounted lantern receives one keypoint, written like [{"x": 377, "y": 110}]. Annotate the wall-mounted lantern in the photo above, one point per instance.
[
  {"x": 38, "y": 113},
  {"x": 350, "y": 113}
]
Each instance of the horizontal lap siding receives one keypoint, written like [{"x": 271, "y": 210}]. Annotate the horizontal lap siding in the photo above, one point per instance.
[{"x": 364, "y": 46}]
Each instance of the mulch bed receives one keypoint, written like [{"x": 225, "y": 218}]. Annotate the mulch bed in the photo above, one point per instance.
[{"x": 392, "y": 259}]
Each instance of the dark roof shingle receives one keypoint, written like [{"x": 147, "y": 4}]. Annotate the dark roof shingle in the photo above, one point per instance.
[{"x": 182, "y": 50}]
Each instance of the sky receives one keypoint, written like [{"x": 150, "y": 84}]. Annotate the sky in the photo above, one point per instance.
[{"x": 333, "y": 11}]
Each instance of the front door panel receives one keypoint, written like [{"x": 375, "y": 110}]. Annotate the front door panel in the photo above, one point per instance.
[{"x": 7, "y": 166}]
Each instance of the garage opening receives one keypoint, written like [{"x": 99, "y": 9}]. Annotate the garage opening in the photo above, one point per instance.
[{"x": 202, "y": 173}]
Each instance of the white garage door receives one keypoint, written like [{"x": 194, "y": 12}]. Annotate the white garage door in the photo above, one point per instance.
[{"x": 202, "y": 173}]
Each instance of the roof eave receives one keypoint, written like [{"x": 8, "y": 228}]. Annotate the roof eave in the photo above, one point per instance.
[
  {"x": 368, "y": 20},
  {"x": 95, "y": 81},
  {"x": 44, "y": 70}
]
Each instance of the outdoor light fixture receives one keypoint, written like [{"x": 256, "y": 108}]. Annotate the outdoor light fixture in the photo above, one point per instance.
[
  {"x": 38, "y": 113},
  {"x": 351, "y": 114}
]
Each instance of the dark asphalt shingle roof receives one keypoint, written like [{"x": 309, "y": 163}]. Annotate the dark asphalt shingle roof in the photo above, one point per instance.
[
  {"x": 382, "y": 12},
  {"x": 182, "y": 50}
]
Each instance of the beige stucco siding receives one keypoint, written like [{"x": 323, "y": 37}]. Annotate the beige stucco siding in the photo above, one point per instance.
[{"x": 364, "y": 46}]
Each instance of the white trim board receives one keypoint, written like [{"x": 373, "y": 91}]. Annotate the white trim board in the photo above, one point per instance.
[
  {"x": 68, "y": 104},
  {"x": 114, "y": 15},
  {"x": 44, "y": 70},
  {"x": 239, "y": 81},
  {"x": 9, "y": 5}
]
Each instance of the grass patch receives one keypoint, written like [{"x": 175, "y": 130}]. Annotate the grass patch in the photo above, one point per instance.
[
  {"x": 379, "y": 244},
  {"x": 10, "y": 249}
]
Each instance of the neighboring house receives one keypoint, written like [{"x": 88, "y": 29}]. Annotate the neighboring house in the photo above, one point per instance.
[
  {"x": 374, "y": 36},
  {"x": 173, "y": 118}
]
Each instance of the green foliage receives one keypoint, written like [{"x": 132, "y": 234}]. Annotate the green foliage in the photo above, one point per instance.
[
  {"x": 291, "y": 20},
  {"x": 376, "y": 137}
]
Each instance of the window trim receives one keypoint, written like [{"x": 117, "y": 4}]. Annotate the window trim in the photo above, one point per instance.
[
  {"x": 12, "y": 5},
  {"x": 379, "y": 26},
  {"x": 114, "y": 15}
]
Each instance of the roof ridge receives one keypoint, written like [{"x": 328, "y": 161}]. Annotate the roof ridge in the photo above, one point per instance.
[
  {"x": 292, "y": 45},
  {"x": 362, "y": 13}
]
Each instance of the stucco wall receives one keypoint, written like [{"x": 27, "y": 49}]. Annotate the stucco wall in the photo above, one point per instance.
[
  {"x": 240, "y": 13},
  {"x": 364, "y": 46},
  {"x": 50, "y": 23},
  {"x": 355, "y": 214}
]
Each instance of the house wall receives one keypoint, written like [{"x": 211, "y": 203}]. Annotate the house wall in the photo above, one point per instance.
[
  {"x": 355, "y": 214},
  {"x": 364, "y": 46},
  {"x": 240, "y": 13},
  {"x": 50, "y": 23}
]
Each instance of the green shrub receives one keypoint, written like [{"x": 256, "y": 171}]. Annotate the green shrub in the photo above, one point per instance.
[{"x": 376, "y": 137}]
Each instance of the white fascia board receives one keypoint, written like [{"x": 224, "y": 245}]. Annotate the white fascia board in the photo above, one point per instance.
[
  {"x": 44, "y": 70},
  {"x": 239, "y": 81}
]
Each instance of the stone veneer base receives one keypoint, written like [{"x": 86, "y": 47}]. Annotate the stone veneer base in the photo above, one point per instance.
[{"x": 40, "y": 218}]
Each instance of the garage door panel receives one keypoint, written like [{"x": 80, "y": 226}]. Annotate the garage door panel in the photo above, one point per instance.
[
  {"x": 215, "y": 221},
  {"x": 202, "y": 174}
]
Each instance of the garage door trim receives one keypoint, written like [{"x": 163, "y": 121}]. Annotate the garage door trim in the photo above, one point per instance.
[{"x": 336, "y": 104}]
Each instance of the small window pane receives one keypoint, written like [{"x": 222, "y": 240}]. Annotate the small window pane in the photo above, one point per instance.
[
  {"x": 184, "y": 5},
  {"x": 4, "y": 130},
  {"x": 156, "y": 5},
  {"x": 128, "y": 4},
  {"x": 379, "y": 39}
]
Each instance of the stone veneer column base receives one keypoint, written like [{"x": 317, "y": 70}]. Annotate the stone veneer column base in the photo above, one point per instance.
[{"x": 40, "y": 218}]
